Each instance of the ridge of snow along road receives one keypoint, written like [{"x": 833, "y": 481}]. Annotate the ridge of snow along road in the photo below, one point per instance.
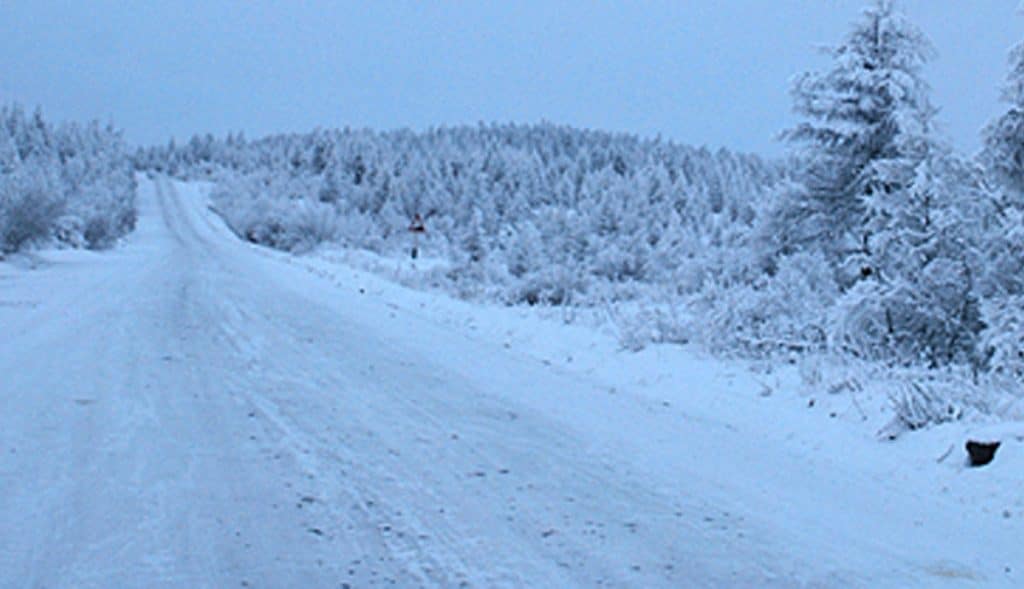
[{"x": 258, "y": 417}]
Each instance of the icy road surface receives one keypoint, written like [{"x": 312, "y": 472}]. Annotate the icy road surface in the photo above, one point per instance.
[{"x": 190, "y": 411}]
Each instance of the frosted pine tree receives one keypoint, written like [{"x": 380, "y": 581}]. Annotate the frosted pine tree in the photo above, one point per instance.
[
  {"x": 9, "y": 159},
  {"x": 882, "y": 197},
  {"x": 865, "y": 128},
  {"x": 1002, "y": 341},
  {"x": 1003, "y": 154}
]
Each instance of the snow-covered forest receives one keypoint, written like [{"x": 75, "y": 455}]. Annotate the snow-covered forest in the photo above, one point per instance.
[
  {"x": 873, "y": 240},
  {"x": 534, "y": 215},
  {"x": 71, "y": 184}
]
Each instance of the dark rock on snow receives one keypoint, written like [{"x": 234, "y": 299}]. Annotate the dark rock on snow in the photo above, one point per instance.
[{"x": 981, "y": 453}]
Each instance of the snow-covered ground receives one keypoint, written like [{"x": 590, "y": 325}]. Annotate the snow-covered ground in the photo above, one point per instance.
[{"x": 193, "y": 411}]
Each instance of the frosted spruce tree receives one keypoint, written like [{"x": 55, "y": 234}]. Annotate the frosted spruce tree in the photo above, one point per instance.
[
  {"x": 865, "y": 129},
  {"x": 1002, "y": 341},
  {"x": 887, "y": 203},
  {"x": 9, "y": 158},
  {"x": 1003, "y": 153}
]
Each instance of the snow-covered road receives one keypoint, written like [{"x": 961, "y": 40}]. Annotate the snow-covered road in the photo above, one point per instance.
[{"x": 189, "y": 411}]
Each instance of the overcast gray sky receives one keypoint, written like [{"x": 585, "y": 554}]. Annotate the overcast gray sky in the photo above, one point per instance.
[{"x": 712, "y": 72}]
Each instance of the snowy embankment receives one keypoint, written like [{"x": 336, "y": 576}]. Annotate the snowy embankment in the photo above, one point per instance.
[{"x": 192, "y": 410}]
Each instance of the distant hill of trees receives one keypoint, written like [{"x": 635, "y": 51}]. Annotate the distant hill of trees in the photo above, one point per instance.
[{"x": 525, "y": 214}]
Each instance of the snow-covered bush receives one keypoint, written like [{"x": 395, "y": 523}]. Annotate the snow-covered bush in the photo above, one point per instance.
[
  {"x": 30, "y": 204},
  {"x": 785, "y": 312},
  {"x": 917, "y": 405},
  {"x": 933, "y": 321},
  {"x": 1002, "y": 341},
  {"x": 920, "y": 398},
  {"x": 71, "y": 183},
  {"x": 662, "y": 320},
  {"x": 253, "y": 209}
]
